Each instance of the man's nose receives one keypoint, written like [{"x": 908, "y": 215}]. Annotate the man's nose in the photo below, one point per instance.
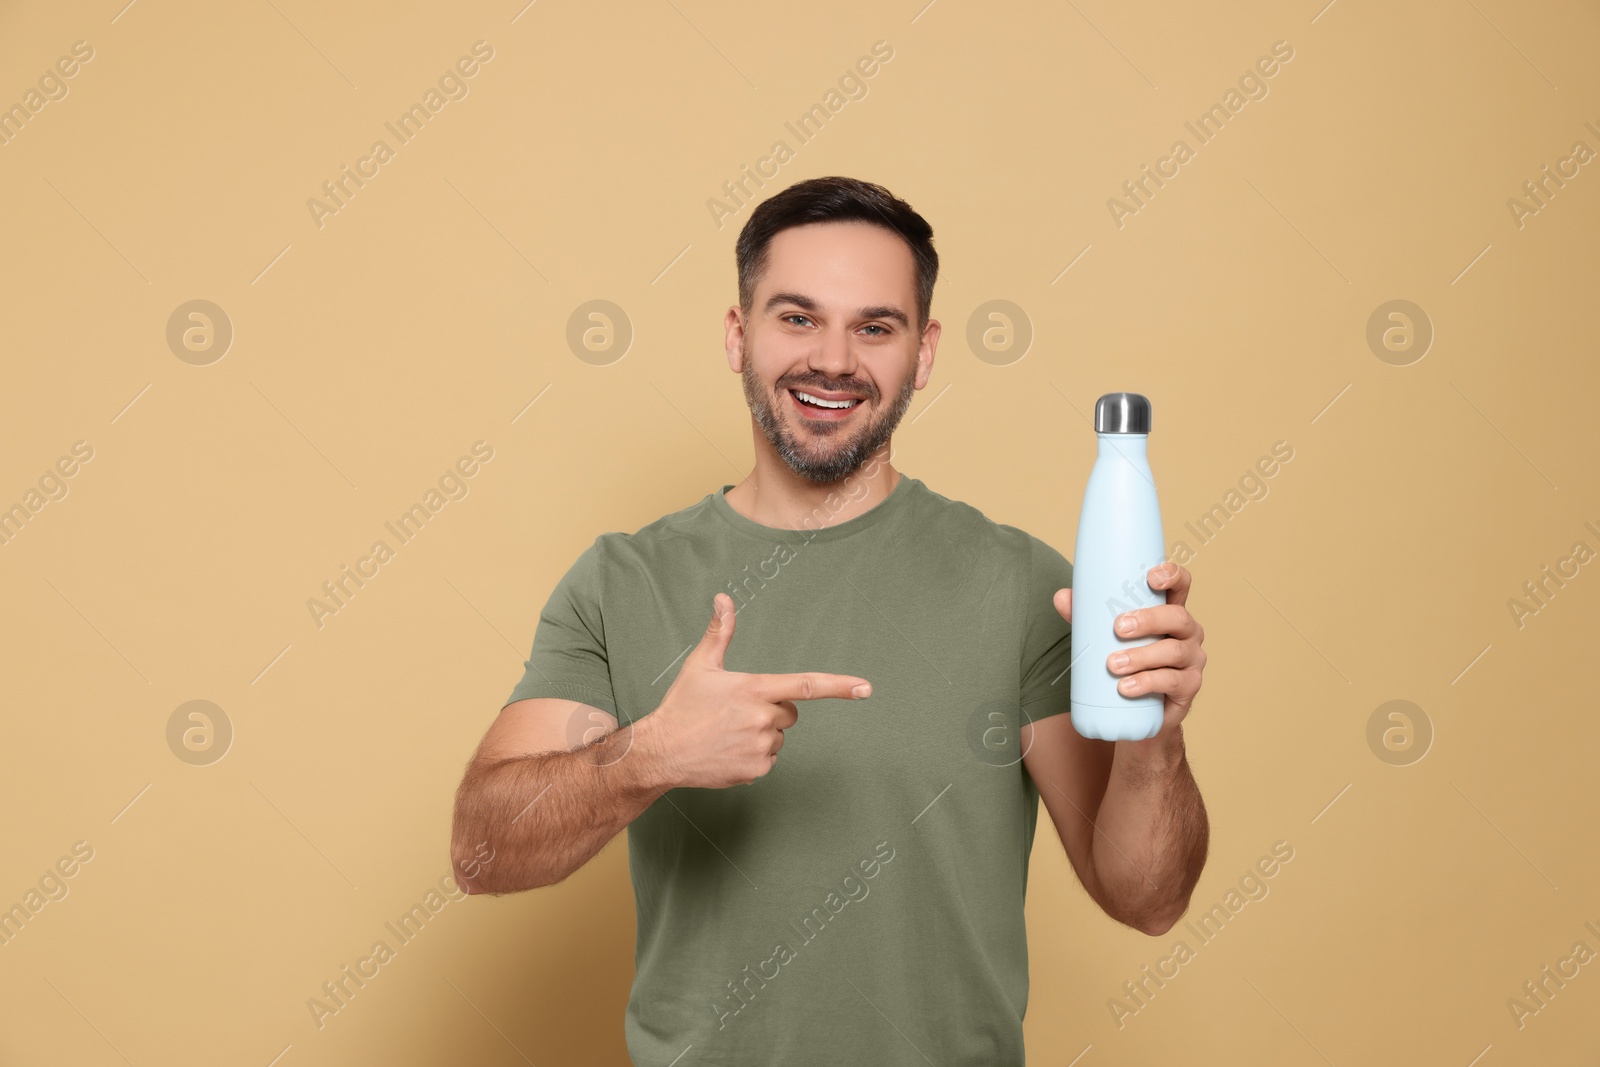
[{"x": 833, "y": 356}]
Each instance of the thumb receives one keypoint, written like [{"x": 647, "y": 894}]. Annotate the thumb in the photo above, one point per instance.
[{"x": 719, "y": 632}]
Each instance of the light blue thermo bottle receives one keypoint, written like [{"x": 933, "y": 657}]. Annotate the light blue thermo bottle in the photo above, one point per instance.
[{"x": 1119, "y": 540}]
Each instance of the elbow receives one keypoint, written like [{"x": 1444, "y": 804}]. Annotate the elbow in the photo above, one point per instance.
[
  {"x": 1156, "y": 923},
  {"x": 1156, "y": 927},
  {"x": 464, "y": 867},
  {"x": 472, "y": 859},
  {"x": 471, "y": 854},
  {"x": 477, "y": 873}
]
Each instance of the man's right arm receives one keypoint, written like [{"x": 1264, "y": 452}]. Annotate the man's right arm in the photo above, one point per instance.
[
  {"x": 533, "y": 806},
  {"x": 530, "y": 810}
]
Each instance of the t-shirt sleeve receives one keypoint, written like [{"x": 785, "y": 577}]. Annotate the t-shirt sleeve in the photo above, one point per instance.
[
  {"x": 568, "y": 660},
  {"x": 1047, "y": 637}
]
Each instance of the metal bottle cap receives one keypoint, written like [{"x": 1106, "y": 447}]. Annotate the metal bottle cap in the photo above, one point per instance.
[{"x": 1122, "y": 413}]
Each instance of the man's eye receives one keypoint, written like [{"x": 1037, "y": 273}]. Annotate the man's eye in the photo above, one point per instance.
[
  {"x": 794, "y": 315},
  {"x": 875, "y": 326}
]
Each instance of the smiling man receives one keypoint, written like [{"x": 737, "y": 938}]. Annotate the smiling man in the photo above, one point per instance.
[{"x": 896, "y": 701}]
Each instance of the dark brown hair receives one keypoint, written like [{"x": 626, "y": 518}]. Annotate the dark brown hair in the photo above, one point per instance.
[{"x": 835, "y": 199}]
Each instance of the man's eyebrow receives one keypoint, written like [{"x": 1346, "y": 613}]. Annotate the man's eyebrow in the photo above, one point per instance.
[
  {"x": 797, "y": 299},
  {"x": 881, "y": 311}
]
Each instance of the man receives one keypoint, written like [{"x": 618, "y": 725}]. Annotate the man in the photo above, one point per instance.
[{"x": 891, "y": 695}]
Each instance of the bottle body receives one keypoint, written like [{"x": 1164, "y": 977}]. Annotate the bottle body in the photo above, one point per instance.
[{"x": 1119, "y": 540}]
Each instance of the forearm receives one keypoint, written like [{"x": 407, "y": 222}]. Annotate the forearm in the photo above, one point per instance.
[
  {"x": 1153, "y": 833},
  {"x": 530, "y": 821}
]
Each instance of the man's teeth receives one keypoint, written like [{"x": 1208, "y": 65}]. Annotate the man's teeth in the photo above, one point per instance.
[{"x": 821, "y": 403}]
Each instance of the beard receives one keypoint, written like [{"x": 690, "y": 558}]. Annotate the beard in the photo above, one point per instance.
[{"x": 822, "y": 452}]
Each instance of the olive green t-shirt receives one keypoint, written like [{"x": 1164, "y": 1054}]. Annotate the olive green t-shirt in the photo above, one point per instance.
[{"x": 862, "y": 903}]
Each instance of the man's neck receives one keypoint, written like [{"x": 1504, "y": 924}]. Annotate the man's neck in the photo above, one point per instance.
[{"x": 774, "y": 495}]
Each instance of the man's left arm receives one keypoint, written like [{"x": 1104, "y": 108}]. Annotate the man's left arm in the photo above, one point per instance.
[{"x": 1129, "y": 812}]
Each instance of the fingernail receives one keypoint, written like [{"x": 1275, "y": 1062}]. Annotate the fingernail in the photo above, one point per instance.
[
  {"x": 1126, "y": 684},
  {"x": 1125, "y": 623},
  {"x": 863, "y": 690},
  {"x": 1119, "y": 661}
]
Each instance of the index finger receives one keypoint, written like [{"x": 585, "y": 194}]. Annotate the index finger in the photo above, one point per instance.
[
  {"x": 1173, "y": 578},
  {"x": 811, "y": 685}
]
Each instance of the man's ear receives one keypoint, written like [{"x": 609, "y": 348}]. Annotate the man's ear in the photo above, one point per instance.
[
  {"x": 925, "y": 352},
  {"x": 733, "y": 329}
]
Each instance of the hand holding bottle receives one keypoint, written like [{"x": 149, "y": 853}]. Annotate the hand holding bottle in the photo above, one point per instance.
[{"x": 1171, "y": 667}]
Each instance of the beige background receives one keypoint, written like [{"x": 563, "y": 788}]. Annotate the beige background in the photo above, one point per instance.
[{"x": 368, "y": 354}]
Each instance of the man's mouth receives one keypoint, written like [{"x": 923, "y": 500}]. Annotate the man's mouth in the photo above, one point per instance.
[{"x": 823, "y": 405}]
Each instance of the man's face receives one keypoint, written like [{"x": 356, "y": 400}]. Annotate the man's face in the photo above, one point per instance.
[{"x": 834, "y": 318}]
